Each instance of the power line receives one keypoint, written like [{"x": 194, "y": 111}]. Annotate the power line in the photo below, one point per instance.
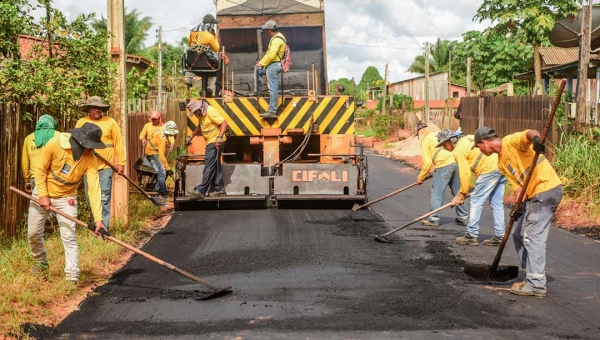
[{"x": 390, "y": 47}]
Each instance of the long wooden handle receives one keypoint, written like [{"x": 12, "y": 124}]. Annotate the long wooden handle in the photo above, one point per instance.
[
  {"x": 121, "y": 243},
  {"x": 545, "y": 132},
  {"x": 112, "y": 166},
  {"x": 391, "y": 194}
]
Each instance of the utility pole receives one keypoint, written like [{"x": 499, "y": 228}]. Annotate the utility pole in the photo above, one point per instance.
[
  {"x": 427, "y": 82},
  {"x": 159, "y": 101},
  {"x": 384, "y": 100},
  {"x": 468, "y": 76},
  {"x": 585, "y": 38},
  {"x": 449, "y": 74},
  {"x": 116, "y": 48}
]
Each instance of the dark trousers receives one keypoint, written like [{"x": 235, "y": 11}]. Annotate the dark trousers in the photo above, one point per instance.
[{"x": 212, "y": 169}]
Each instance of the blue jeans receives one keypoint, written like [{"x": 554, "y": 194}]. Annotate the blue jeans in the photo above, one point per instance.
[
  {"x": 442, "y": 177},
  {"x": 490, "y": 187},
  {"x": 105, "y": 176},
  {"x": 161, "y": 174},
  {"x": 272, "y": 71}
]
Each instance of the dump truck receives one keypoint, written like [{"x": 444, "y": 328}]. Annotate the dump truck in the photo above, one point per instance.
[{"x": 306, "y": 155}]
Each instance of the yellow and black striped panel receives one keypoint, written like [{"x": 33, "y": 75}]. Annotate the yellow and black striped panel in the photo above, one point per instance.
[{"x": 333, "y": 115}]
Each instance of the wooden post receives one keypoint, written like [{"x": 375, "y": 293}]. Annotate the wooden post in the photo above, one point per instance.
[
  {"x": 583, "y": 66},
  {"x": 449, "y": 73},
  {"x": 116, "y": 47},
  {"x": 480, "y": 111},
  {"x": 159, "y": 105},
  {"x": 427, "y": 82},
  {"x": 469, "y": 77},
  {"x": 384, "y": 92}
]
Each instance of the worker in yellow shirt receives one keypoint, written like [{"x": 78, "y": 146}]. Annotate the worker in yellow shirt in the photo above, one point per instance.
[
  {"x": 114, "y": 151},
  {"x": 445, "y": 174},
  {"x": 489, "y": 185},
  {"x": 541, "y": 199},
  {"x": 203, "y": 40},
  {"x": 61, "y": 166},
  {"x": 270, "y": 65},
  {"x": 34, "y": 143},
  {"x": 170, "y": 131},
  {"x": 212, "y": 126},
  {"x": 154, "y": 150}
]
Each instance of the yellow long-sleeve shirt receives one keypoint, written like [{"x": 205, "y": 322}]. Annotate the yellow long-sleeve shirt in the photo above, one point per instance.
[
  {"x": 111, "y": 136},
  {"x": 57, "y": 174},
  {"x": 275, "y": 51},
  {"x": 30, "y": 155},
  {"x": 515, "y": 159},
  {"x": 155, "y": 143},
  {"x": 205, "y": 38},
  {"x": 467, "y": 159},
  {"x": 429, "y": 150}
]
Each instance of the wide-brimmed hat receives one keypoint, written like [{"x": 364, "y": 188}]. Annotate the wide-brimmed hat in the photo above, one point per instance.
[
  {"x": 483, "y": 133},
  {"x": 88, "y": 136},
  {"x": 209, "y": 19},
  {"x": 448, "y": 135},
  {"x": 195, "y": 104},
  {"x": 94, "y": 101},
  {"x": 170, "y": 128}
]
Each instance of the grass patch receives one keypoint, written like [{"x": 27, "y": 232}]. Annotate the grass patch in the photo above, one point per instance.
[
  {"x": 364, "y": 131},
  {"x": 28, "y": 299}
]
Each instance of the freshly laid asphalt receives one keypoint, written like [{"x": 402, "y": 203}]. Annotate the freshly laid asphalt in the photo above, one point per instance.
[{"x": 315, "y": 274}]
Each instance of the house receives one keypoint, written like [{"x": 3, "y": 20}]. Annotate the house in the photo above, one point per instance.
[{"x": 438, "y": 88}]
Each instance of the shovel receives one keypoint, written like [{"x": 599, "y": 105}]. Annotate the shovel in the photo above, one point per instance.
[
  {"x": 357, "y": 207},
  {"x": 491, "y": 273},
  {"x": 157, "y": 202},
  {"x": 382, "y": 238},
  {"x": 214, "y": 291}
]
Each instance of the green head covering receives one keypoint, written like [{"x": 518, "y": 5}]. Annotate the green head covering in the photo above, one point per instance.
[{"x": 44, "y": 130}]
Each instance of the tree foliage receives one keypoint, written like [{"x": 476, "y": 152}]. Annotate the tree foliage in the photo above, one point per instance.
[
  {"x": 348, "y": 85},
  {"x": 139, "y": 83},
  {"x": 439, "y": 57},
  {"x": 136, "y": 30},
  {"x": 78, "y": 67},
  {"x": 371, "y": 77},
  {"x": 495, "y": 58},
  {"x": 14, "y": 20}
]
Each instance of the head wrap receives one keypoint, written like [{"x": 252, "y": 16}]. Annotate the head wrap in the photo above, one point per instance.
[{"x": 44, "y": 130}]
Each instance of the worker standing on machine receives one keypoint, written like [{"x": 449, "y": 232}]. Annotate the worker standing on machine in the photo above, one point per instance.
[
  {"x": 270, "y": 65},
  {"x": 203, "y": 39}
]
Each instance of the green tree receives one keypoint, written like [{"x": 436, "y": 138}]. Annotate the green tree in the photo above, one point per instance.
[
  {"x": 79, "y": 66},
  {"x": 13, "y": 21},
  {"x": 136, "y": 30},
  {"x": 535, "y": 18},
  {"x": 348, "y": 85},
  {"x": 495, "y": 58},
  {"x": 439, "y": 57},
  {"x": 370, "y": 78}
]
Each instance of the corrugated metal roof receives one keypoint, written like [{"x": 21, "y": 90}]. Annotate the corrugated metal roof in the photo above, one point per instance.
[
  {"x": 267, "y": 7},
  {"x": 552, "y": 56}
]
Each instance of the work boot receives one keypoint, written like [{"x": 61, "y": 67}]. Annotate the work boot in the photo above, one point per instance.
[
  {"x": 461, "y": 221},
  {"x": 524, "y": 290},
  {"x": 41, "y": 268},
  {"x": 518, "y": 285},
  {"x": 218, "y": 193},
  {"x": 165, "y": 195},
  {"x": 268, "y": 115},
  {"x": 467, "y": 240},
  {"x": 430, "y": 223},
  {"x": 494, "y": 241},
  {"x": 196, "y": 193}
]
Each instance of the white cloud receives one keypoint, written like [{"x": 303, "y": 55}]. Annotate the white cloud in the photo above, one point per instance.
[{"x": 401, "y": 25}]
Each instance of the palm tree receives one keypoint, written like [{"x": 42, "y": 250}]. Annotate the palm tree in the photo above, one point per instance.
[
  {"x": 438, "y": 57},
  {"x": 136, "y": 30}
]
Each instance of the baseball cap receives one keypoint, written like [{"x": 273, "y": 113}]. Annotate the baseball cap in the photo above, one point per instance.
[{"x": 483, "y": 133}]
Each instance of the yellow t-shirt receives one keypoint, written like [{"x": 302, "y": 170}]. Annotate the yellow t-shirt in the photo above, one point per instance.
[
  {"x": 515, "y": 159},
  {"x": 111, "y": 136},
  {"x": 30, "y": 155},
  {"x": 155, "y": 143},
  {"x": 57, "y": 174},
  {"x": 428, "y": 151},
  {"x": 275, "y": 51},
  {"x": 205, "y": 38},
  {"x": 210, "y": 125},
  {"x": 467, "y": 158}
]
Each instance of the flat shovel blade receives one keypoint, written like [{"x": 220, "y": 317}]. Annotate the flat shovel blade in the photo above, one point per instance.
[
  {"x": 355, "y": 207},
  {"x": 481, "y": 272},
  {"x": 211, "y": 294}
]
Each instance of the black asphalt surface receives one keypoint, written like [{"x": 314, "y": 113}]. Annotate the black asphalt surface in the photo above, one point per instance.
[{"x": 314, "y": 274}]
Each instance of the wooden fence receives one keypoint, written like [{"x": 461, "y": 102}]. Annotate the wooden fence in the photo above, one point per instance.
[
  {"x": 13, "y": 131},
  {"x": 507, "y": 115},
  {"x": 443, "y": 118}
]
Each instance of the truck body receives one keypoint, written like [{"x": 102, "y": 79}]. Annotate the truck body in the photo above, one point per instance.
[{"x": 305, "y": 155}]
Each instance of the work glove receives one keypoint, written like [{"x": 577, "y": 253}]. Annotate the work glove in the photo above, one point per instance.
[
  {"x": 516, "y": 214},
  {"x": 28, "y": 187},
  {"x": 169, "y": 173},
  {"x": 538, "y": 146},
  {"x": 188, "y": 140},
  {"x": 458, "y": 199}
]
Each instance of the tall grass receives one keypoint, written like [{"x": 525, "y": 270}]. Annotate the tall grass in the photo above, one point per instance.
[
  {"x": 25, "y": 298},
  {"x": 578, "y": 165}
]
